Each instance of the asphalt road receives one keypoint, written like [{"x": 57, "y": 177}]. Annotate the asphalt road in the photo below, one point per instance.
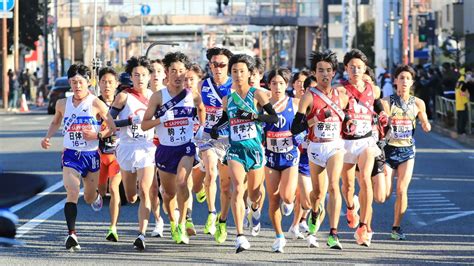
[{"x": 438, "y": 222}]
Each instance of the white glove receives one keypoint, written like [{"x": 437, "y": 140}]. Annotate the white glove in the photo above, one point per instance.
[
  {"x": 199, "y": 132},
  {"x": 136, "y": 119},
  {"x": 169, "y": 115}
]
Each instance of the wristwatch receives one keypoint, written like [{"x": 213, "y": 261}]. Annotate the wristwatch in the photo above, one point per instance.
[{"x": 99, "y": 135}]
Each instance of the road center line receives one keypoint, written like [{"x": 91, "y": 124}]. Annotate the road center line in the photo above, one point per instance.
[
  {"x": 50, "y": 189},
  {"x": 434, "y": 205},
  {"x": 438, "y": 208}
]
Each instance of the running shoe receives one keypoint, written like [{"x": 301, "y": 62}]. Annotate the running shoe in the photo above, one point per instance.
[
  {"x": 295, "y": 233},
  {"x": 190, "y": 229},
  {"x": 210, "y": 226},
  {"x": 201, "y": 195},
  {"x": 112, "y": 235},
  {"x": 158, "y": 231},
  {"x": 278, "y": 245},
  {"x": 246, "y": 217},
  {"x": 241, "y": 244},
  {"x": 255, "y": 222},
  {"x": 174, "y": 231},
  {"x": 333, "y": 242},
  {"x": 398, "y": 234},
  {"x": 286, "y": 209},
  {"x": 304, "y": 226},
  {"x": 71, "y": 243},
  {"x": 361, "y": 236},
  {"x": 369, "y": 240},
  {"x": 97, "y": 204},
  {"x": 221, "y": 230},
  {"x": 352, "y": 216},
  {"x": 312, "y": 241},
  {"x": 181, "y": 236},
  {"x": 139, "y": 243},
  {"x": 315, "y": 222}
]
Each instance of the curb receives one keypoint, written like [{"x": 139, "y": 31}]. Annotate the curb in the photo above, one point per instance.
[{"x": 441, "y": 129}]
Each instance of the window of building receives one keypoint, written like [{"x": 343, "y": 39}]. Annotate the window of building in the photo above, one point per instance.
[
  {"x": 335, "y": 43},
  {"x": 335, "y": 18}
]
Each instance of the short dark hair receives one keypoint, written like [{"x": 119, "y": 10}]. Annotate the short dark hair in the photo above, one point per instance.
[
  {"x": 196, "y": 68},
  {"x": 79, "y": 69},
  {"x": 370, "y": 72},
  {"x": 285, "y": 73},
  {"x": 403, "y": 68},
  {"x": 134, "y": 62},
  {"x": 218, "y": 51},
  {"x": 173, "y": 57},
  {"x": 326, "y": 56},
  {"x": 355, "y": 53},
  {"x": 308, "y": 80},
  {"x": 297, "y": 75},
  {"x": 159, "y": 61},
  {"x": 107, "y": 70},
  {"x": 260, "y": 65},
  {"x": 242, "y": 58}
]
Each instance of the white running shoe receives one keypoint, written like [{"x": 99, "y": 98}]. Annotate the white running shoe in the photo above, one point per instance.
[
  {"x": 255, "y": 222},
  {"x": 158, "y": 231},
  {"x": 312, "y": 241},
  {"x": 278, "y": 245},
  {"x": 71, "y": 243},
  {"x": 97, "y": 204},
  {"x": 241, "y": 244},
  {"x": 286, "y": 209},
  {"x": 304, "y": 227},
  {"x": 246, "y": 217},
  {"x": 295, "y": 232}
]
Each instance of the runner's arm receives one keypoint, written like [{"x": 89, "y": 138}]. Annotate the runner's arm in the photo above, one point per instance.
[
  {"x": 148, "y": 121},
  {"x": 55, "y": 123},
  {"x": 117, "y": 107},
  {"x": 300, "y": 122},
  {"x": 263, "y": 100},
  {"x": 425, "y": 124},
  {"x": 103, "y": 113},
  {"x": 222, "y": 121},
  {"x": 201, "y": 110}
]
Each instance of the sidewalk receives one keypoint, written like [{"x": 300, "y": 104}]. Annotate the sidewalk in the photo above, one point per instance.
[{"x": 439, "y": 127}]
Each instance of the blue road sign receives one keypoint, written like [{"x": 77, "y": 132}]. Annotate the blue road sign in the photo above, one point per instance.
[
  {"x": 145, "y": 10},
  {"x": 9, "y": 7}
]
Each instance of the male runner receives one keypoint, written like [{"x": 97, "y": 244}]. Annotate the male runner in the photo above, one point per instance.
[{"x": 81, "y": 140}]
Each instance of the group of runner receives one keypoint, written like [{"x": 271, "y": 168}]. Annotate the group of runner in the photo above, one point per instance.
[{"x": 174, "y": 133}]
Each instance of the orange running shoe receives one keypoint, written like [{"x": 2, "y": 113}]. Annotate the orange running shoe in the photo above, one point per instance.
[
  {"x": 362, "y": 236},
  {"x": 352, "y": 216}
]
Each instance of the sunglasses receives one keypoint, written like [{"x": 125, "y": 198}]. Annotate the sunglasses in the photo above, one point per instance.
[{"x": 219, "y": 65}]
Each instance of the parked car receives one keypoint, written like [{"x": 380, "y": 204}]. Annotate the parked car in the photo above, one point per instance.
[{"x": 61, "y": 89}]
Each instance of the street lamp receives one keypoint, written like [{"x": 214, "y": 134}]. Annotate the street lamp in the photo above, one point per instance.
[{"x": 172, "y": 44}]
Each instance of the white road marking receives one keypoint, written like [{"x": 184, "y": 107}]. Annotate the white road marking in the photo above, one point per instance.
[
  {"x": 435, "y": 209},
  {"x": 10, "y": 118},
  {"x": 26, "y": 123},
  {"x": 435, "y": 205},
  {"x": 454, "y": 216},
  {"x": 33, "y": 223},
  {"x": 47, "y": 191},
  {"x": 435, "y": 201},
  {"x": 428, "y": 150},
  {"x": 441, "y": 212},
  {"x": 422, "y": 191},
  {"x": 41, "y": 118}
]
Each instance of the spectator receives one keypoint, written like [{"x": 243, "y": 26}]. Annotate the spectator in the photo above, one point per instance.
[
  {"x": 462, "y": 100},
  {"x": 387, "y": 88},
  {"x": 14, "y": 91},
  {"x": 221, "y": 11},
  {"x": 33, "y": 87}
]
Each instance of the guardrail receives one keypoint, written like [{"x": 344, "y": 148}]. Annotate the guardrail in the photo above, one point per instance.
[{"x": 446, "y": 110}]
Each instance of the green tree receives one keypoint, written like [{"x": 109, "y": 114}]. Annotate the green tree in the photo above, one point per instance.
[
  {"x": 365, "y": 39},
  {"x": 31, "y": 21}
]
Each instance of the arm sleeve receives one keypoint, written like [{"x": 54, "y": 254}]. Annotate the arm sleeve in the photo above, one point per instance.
[
  {"x": 114, "y": 111},
  {"x": 378, "y": 107},
  {"x": 299, "y": 124},
  {"x": 224, "y": 119},
  {"x": 271, "y": 117}
]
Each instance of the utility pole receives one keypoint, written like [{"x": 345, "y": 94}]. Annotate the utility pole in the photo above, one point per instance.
[
  {"x": 4, "y": 61},
  {"x": 356, "y": 24},
  {"x": 16, "y": 49},
  {"x": 45, "y": 30},
  {"x": 405, "y": 31}
]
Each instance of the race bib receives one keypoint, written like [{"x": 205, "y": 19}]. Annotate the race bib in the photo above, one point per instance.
[
  {"x": 213, "y": 114},
  {"x": 178, "y": 130},
  {"x": 75, "y": 134},
  {"x": 327, "y": 130},
  {"x": 402, "y": 129},
  {"x": 279, "y": 142},
  {"x": 241, "y": 129}
]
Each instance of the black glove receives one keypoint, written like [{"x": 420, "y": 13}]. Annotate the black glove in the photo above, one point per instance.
[
  {"x": 214, "y": 132},
  {"x": 245, "y": 115}
]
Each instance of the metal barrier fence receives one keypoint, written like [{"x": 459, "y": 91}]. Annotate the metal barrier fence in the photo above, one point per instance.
[{"x": 446, "y": 110}]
